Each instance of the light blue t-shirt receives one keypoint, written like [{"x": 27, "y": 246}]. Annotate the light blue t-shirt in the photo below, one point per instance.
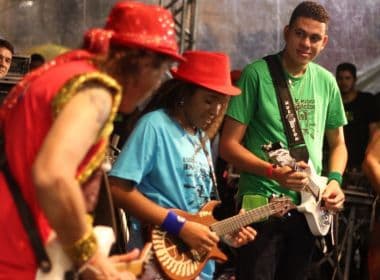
[{"x": 168, "y": 165}]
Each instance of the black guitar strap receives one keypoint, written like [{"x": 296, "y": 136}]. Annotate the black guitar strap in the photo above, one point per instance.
[
  {"x": 296, "y": 142},
  {"x": 28, "y": 221}
]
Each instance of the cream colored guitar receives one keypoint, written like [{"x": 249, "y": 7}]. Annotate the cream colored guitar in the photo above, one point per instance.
[{"x": 61, "y": 264}]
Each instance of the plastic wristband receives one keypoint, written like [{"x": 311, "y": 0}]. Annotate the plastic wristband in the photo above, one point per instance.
[
  {"x": 269, "y": 171},
  {"x": 173, "y": 223},
  {"x": 335, "y": 176}
]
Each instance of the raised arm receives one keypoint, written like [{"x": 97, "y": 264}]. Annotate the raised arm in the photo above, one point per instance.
[
  {"x": 232, "y": 150},
  {"x": 128, "y": 197}
]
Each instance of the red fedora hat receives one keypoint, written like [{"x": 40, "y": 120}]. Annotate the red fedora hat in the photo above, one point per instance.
[
  {"x": 207, "y": 69},
  {"x": 96, "y": 40},
  {"x": 141, "y": 25}
]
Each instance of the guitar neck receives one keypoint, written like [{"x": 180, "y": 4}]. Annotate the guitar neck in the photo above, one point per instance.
[
  {"x": 312, "y": 187},
  {"x": 234, "y": 223}
]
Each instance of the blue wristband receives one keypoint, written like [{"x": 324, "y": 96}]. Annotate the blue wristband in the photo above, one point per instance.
[
  {"x": 173, "y": 223},
  {"x": 335, "y": 176}
]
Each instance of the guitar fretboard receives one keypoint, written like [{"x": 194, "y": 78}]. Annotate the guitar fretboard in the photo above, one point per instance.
[{"x": 234, "y": 223}]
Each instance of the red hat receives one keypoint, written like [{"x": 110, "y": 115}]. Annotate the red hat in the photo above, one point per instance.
[
  {"x": 207, "y": 69},
  {"x": 96, "y": 40},
  {"x": 147, "y": 26}
]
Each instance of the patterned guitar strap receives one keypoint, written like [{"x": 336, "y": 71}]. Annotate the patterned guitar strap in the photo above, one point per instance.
[{"x": 294, "y": 135}]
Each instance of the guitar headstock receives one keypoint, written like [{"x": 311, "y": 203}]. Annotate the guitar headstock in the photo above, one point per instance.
[
  {"x": 281, "y": 205},
  {"x": 279, "y": 155}
]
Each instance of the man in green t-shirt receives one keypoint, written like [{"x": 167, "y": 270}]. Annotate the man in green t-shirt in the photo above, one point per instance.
[{"x": 284, "y": 246}]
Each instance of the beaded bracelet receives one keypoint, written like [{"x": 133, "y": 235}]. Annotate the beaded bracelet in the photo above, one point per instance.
[
  {"x": 83, "y": 249},
  {"x": 173, "y": 223},
  {"x": 335, "y": 176}
]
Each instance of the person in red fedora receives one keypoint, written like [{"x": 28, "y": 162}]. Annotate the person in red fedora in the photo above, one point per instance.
[
  {"x": 54, "y": 128},
  {"x": 166, "y": 162}
]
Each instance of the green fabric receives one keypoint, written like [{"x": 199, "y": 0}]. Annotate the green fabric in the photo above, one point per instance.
[
  {"x": 319, "y": 107},
  {"x": 250, "y": 202}
]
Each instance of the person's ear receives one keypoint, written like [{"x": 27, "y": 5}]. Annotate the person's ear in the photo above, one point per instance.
[
  {"x": 324, "y": 41},
  {"x": 286, "y": 32}
]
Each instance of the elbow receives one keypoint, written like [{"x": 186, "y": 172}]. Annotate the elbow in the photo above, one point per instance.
[
  {"x": 367, "y": 163},
  {"x": 224, "y": 148},
  {"x": 120, "y": 191},
  {"x": 46, "y": 179}
]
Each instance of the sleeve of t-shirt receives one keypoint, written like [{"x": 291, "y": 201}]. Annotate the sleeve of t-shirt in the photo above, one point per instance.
[
  {"x": 137, "y": 155},
  {"x": 336, "y": 116},
  {"x": 241, "y": 107}
]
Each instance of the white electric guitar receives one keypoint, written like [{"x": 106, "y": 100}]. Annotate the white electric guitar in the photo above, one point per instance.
[
  {"x": 61, "y": 264},
  {"x": 318, "y": 217}
]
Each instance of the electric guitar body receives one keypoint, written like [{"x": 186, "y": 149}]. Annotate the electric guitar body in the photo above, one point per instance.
[{"x": 318, "y": 218}]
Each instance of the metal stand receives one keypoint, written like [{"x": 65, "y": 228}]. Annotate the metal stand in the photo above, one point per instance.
[
  {"x": 349, "y": 226},
  {"x": 353, "y": 225}
]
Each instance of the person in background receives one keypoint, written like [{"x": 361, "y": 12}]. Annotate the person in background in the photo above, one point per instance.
[
  {"x": 55, "y": 125},
  {"x": 36, "y": 60},
  {"x": 363, "y": 119},
  {"x": 361, "y": 112},
  {"x": 166, "y": 161},
  {"x": 283, "y": 248},
  {"x": 6, "y": 54}
]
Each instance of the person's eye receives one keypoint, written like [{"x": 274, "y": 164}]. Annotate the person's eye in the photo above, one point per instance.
[
  {"x": 299, "y": 33},
  {"x": 315, "y": 38}
]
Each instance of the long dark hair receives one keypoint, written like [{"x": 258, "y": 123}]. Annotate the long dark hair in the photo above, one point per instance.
[{"x": 174, "y": 91}]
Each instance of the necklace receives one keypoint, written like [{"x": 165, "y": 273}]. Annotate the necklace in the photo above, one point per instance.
[{"x": 201, "y": 146}]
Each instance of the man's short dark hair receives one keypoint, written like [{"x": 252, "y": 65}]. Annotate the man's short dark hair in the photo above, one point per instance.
[
  {"x": 5, "y": 44},
  {"x": 346, "y": 66},
  {"x": 310, "y": 9}
]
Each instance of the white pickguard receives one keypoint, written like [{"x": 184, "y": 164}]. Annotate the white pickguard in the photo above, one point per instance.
[
  {"x": 318, "y": 218},
  {"x": 61, "y": 263}
]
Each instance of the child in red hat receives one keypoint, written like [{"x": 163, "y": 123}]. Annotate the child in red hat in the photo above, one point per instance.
[
  {"x": 55, "y": 125},
  {"x": 166, "y": 162}
]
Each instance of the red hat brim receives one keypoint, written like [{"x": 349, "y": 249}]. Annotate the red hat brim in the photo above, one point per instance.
[
  {"x": 159, "y": 49},
  {"x": 226, "y": 89}
]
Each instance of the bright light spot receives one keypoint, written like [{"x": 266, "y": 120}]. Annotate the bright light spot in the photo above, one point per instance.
[{"x": 26, "y": 3}]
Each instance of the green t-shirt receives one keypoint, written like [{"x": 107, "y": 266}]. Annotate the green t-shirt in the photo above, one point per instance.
[{"x": 318, "y": 105}]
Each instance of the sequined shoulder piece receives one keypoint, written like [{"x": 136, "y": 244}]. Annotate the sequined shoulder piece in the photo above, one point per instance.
[{"x": 96, "y": 155}]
